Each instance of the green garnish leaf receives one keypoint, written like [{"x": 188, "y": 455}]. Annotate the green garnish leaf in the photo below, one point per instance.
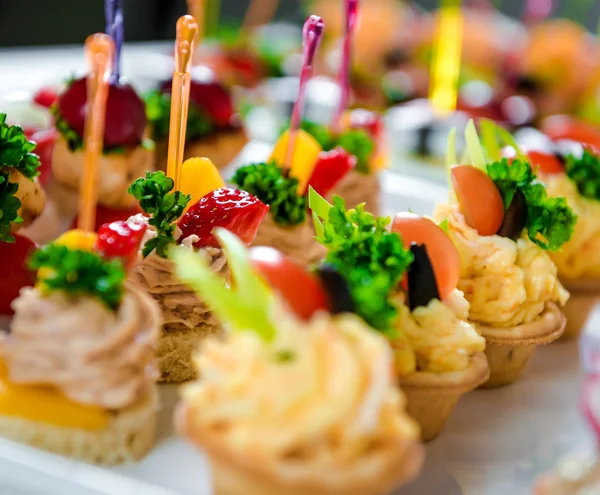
[
  {"x": 370, "y": 258},
  {"x": 246, "y": 305},
  {"x": 267, "y": 182},
  {"x": 585, "y": 173},
  {"x": 444, "y": 225},
  {"x": 358, "y": 143},
  {"x": 158, "y": 110},
  {"x": 474, "y": 146},
  {"x": 79, "y": 273},
  {"x": 74, "y": 140},
  {"x": 16, "y": 150},
  {"x": 9, "y": 207},
  {"x": 164, "y": 207},
  {"x": 320, "y": 132},
  {"x": 490, "y": 140},
  {"x": 550, "y": 221}
]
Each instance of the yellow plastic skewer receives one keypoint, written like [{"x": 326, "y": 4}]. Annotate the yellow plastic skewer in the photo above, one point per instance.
[
  {"x": 100, "y": 50},
  {"x": 447, "y": 55},
  {"x": 180, "y": 96}
]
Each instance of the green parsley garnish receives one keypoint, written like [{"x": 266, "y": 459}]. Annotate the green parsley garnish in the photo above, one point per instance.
[
  {"x": 158, "y": 110},
  {"x": 585, "y": 173},
  {"x": 16, "y": 150},
  {"x": 357, "y": 142},
  {"x": 74, "y": 140},
  {"x": 550, "y": 221},
  {"x": 9, "y": 207},
  {"x": 80, "y": 273},
  {"x": 268, "y": 183},
  {"x": 371, "y": 259},
  {"x": 164, "y": 207}
]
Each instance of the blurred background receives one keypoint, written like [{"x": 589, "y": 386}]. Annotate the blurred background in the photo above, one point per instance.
[{"x": 40, "y": 22}]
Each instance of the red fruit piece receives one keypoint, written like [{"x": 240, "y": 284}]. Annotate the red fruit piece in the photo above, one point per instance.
[
  {"x": 561, "y": 127},
  {"x": 44, "y": 145},
  {"x": 125, "y": 113},
  {"x": 234, "y": 210},
  {"x": 301, "y": 290},
  {"x": 210, "y": 97},
  {"x": 120, "y": 240},
  {"x": 368, "y": 121},
  {"x": 110, "y": 215},
  {"x": 479, "y": 199},
  {"x": 547, "y": 163},
  {"x": 332, "y": 166},
  {"x": 14, "y": 274},
  {"x": 45, "y": 97}
]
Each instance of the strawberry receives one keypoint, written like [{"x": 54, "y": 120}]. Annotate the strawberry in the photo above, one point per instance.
[
  {"x": 120, "y": 240},
  {"x": 332, "y": 166},
  {"x": 45, "y": 97},
  {"x": 235, "y": 210}
]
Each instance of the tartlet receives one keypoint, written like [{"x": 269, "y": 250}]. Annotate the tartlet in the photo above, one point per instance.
[
  {"x": 340, "y": 429},
  {"x": 504, "y": 226},
  {"x": 78, "y": 366},
  {"x": 438, "y": 353},
  {"x": 186, "y": 222}
]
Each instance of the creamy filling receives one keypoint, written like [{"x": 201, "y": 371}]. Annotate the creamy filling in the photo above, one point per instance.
[{"x": 89, "y": 353}]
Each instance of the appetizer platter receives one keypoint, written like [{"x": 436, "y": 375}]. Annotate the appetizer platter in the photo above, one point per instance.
[{"x": 186, "y": 310}]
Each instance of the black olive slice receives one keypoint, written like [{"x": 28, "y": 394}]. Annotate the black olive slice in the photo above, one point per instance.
[
  {"x": 422, "y": 286},
  {"x": 340, "y": 298},
  {"x": 515, "y": 217}
]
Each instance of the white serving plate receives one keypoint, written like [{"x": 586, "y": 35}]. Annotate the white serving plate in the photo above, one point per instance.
[{"x": 496, "y": 443}]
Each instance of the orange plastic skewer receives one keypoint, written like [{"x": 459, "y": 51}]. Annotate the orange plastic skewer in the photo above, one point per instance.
[
  {"x": 196, "y": 9},
  {"x": 180, "y": 96},
  {"x": 100, "y": 50},
  {"x": 259, "y": 13}
]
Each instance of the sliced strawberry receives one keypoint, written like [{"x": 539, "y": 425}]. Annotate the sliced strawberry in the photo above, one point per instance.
[
  {"x": 44, "y": 145},
  {"x": 234, "y": 210},
  {"x": 14, "y": 274},
  {"x": 120, "y": 240},
  {"x": 45, "y": 97},
  {"x": 368, "y": 121},
  {"x": 110, "y": 215},
  {"x": 332, "y": 166}
]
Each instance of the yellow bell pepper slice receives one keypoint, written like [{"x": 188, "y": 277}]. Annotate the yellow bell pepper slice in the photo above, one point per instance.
[
  {"x": 305, "y": 156},
  {"x": 199, "y": 176}
]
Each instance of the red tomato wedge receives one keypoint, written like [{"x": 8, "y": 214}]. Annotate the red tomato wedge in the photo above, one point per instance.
[
  {"x": 546, "y": 163},
  {"x": 567, "y": 128},
  {"x": 301, "y": 289},
  {"x": 14, "y": 274},
  {"x": 442, "y": 253},
  {"x": 479, "y": 199}
]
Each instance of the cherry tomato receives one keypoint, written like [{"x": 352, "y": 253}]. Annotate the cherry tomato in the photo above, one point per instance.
[
  {"x": 547, "y": 163},
  {"x": 14, "y": 274},
  {"x": 300, "y": 289},
  {"x": 442, "y": 253},
  {"x": 479, "y": 199},
  {"x": 110, "y": 215},
  {"x": 562, "y": 127}
]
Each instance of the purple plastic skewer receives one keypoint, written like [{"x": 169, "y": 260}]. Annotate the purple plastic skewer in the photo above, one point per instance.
[
  {"x": 537, "y": 10},
  {"x": 344, "y": 74},
  {"x": 311, "y": 37},
  {"x": 113, "y": 10}
]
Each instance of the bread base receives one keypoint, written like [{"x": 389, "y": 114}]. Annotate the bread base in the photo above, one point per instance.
[
  {"x": 431, "y": 397},
  {"x": 585, "y": 294},
  {"x": 393, "y": 464},
  {"x": 174, "y": 353},
  {"x": 358, "y": 188},
  {"x": 509, "y": 349},
  {"x": 129, "y": 435},
  {"x": 221, "y": 147}
]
